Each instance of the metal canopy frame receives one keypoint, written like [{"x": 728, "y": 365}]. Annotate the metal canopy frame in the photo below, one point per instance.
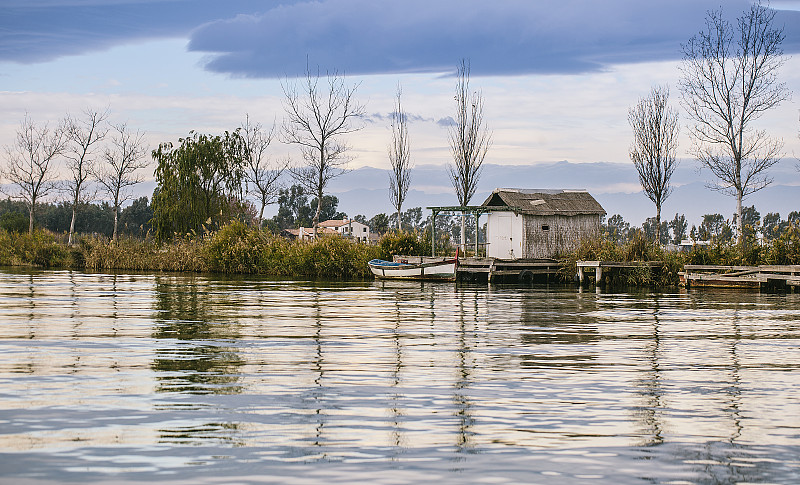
[{"x": 477, "y": 210}]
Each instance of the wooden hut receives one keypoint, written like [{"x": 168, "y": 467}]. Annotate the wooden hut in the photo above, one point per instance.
[{"x": 539, "y": 223}]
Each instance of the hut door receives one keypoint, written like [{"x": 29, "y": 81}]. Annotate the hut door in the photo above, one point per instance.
[{"x": 503, "y": 239}]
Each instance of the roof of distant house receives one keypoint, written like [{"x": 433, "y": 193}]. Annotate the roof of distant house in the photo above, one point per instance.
[
  {"x": 337, "y": 222},
  {"x": 545, "y": 202}
]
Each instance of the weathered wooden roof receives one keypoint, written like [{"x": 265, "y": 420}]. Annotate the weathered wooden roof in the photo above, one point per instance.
[{"x": 545, "y": 202}]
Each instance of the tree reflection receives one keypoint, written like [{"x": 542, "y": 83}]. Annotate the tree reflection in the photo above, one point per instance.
[
  {"x": 318, "y": 393},
  {"x": 195, "y": 353},
  {"x": 465, "y": 367},
  {"x": 648, "y": 413}
]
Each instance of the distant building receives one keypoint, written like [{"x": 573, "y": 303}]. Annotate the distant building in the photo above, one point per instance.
[
  {"x": 348, "y": 228},
  {"x": 306, "y": 233},
  {"x": 539, "y": 223}
]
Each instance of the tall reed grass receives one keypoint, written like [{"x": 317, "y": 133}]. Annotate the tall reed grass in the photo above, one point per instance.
[{"x": 784, "y": 250}]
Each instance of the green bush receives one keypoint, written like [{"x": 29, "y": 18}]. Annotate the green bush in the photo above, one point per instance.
[
  {"x": 637, "y": 250},
  {"x": 237, "y": 248},
  {"x": 14, "y": 222},
  {"x": 40, "y": 248},
  {"x": 405, "y": 243}
]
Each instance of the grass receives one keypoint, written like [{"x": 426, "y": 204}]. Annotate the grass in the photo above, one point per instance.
[
  {"x": 234, "y": 249},
  {"x": 784, "y": 250},
  {"x": 239, "y": 249}
]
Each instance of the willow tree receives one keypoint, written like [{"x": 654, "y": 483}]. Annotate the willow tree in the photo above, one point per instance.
[
  {"x": 729, "y": 79},
  {"x": 655, "y": 142},
  {"x": 469, "y": 142},
  {"x": 198, "y": 182},
  {"x": 318, "y": 117},
  {"x": 399, "y": 158}
]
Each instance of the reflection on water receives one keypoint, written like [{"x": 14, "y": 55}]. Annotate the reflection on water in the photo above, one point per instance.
[{"x": 196, "y": 379}]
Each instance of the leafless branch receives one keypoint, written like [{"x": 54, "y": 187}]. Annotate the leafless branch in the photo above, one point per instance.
[
  {"x": 83, "y": 136},
  {"x": 729, "y": 79},
  {"x": 262, "y": 174},
  {"x": 30, "y": 164},
  {"x": 123, "y": 159},
  {"x": 654, "y": 147},
  {"x": 469, "y": 141},
  {"x": 399, "y": 158},
  {"x": 317, "y": 118}
]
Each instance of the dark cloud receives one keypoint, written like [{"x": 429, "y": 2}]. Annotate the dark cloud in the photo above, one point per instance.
[
  {"x": 274, "y": 38},
  {"x": 42, "y": 30},
  {"x": 499, "y": 37}
]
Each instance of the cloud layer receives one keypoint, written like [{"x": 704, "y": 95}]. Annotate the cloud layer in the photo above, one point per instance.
[
  {"x": 501, "y": 37},
  {"x": 43, "y": 30},
  {"x": 274, "y": 38}
]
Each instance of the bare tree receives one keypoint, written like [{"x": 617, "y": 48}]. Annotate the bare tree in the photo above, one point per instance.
[
  {"x": 729, "y": 79},
  {"x": 262, "y": 174},
  {"x": 83, "y": 135},
  {"x": 469, "y": 142},
  {"x": 317, "y": 118},
  {"x": 30, "y": 164},
  {"x": 123, "y": 158},
  {"x": 399, "y": 158},
  {"x": 655, "y": 141}
]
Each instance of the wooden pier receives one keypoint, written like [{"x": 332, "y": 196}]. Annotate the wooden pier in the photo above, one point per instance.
[
  {"x": 507, "y": 270},
  {"x": 598, "y": 267},
  {"x": 496, "y": 270},
  {"x": 764, "y": 277}
]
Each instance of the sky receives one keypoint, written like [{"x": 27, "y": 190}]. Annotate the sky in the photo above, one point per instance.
[{"x": 557, "y": 76}]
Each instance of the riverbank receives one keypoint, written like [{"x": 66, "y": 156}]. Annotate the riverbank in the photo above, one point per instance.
[
  {"x": 653, "y": 266},
  {"x": 235, "y": 249},
  {"x": 238, "y": 249}
]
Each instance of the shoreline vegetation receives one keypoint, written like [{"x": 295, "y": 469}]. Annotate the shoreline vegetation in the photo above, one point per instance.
[{"x": 239, "y": 249}]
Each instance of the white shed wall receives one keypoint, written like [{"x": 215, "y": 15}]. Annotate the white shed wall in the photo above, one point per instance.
[{"x": 504, "y": 234}]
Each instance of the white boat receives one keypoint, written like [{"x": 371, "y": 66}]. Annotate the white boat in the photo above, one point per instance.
[{"x": 442, "y": 270}]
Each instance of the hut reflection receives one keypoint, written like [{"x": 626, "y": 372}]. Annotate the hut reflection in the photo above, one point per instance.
[{"x": 558, "y": 327}]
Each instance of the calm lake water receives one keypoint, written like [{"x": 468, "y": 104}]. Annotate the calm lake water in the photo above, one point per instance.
[{"x": 201, "y": 379}]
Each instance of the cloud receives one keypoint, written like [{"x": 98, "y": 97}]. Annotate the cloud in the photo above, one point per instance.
[
  {"x": 500, "y": 38},
  {"x": 274, "y": 38},
  {"x": 43, "y": 30}
]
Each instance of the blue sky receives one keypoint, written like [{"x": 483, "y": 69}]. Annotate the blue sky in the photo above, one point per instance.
[{"x": 558, "y": 76}]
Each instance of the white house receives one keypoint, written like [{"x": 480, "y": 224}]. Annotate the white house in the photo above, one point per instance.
[
  {"x": 348, "y": 228},
  {"x": 539, "y": 223}
]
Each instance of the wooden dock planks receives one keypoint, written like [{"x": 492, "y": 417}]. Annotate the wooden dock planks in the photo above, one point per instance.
[{"x": 762, "y": 277}]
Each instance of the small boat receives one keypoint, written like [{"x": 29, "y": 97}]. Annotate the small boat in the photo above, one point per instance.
[{"x": 442, "y": 270}]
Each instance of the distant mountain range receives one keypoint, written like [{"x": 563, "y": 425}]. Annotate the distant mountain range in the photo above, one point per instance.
[{"x": 614, "y": 185}]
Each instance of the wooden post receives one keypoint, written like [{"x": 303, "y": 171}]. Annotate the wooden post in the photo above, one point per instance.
[
  {"x": 477, "y": 215},
  {"x": 433, "y": 234}
]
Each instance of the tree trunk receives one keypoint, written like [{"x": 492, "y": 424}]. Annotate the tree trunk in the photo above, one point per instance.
[
  {"x": 315, "y": 221},
  {"x": 463, "y": 233},
  {"x": 261, "y": 214},
  {"x": 31, "y": 216},
  {"x": 116, "y": 219},
  {"x": 72, "y": 225},
  {"x": 739, "y": 221},
  {"x": 658, "y": 224},
  {"x": 399, "y": 227}
]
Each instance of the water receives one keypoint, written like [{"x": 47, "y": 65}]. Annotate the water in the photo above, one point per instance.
[{"x": 198, "y": 379}]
